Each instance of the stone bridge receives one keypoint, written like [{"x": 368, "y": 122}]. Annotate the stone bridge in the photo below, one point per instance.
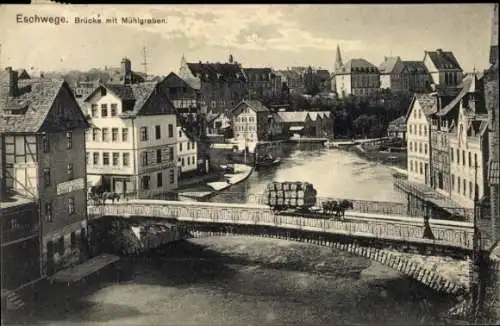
[{"x": 441, "y": 263}]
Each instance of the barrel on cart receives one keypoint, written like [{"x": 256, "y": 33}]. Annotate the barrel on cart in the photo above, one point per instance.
[{"x": 296, "y": 195}]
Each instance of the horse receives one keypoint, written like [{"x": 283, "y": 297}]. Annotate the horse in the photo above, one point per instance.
[
  {"x": 329, "y": 206},
  {"x": 342, "y": 206},
  {"x": 110, "y": 195}
]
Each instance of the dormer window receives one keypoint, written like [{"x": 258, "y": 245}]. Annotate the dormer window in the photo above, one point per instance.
[{"x": 103, "y": 91}]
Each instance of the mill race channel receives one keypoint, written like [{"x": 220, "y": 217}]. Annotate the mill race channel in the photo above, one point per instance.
[{"x": 253, "y": 281}]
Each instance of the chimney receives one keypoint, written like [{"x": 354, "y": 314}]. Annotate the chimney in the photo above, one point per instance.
[
  {"x": 126, "y": 70},
  {"x": 9, "y": 82},
  {"x": 439, "y": 50}
]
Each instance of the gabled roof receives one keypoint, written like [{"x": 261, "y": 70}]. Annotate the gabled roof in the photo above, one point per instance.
[
  {"x": 33, "y": 104},
  {"x": 255, "y": 105},
  {"x": 465, "y": 89},
  {"x": 293, "y": 116},
  {"x": 358, "y": 65},
  {"x": 173, "y": 79},
  {"x": 443, "y": 59},
  {"x": 116, "y": 76},
  {"x": 315, "y": 115},
  {"x": 139, "y": 99},
  {"x": 415, "y": 67},
  {"x": 389, "y": 65},
  {"x": 427, "y": 102}
]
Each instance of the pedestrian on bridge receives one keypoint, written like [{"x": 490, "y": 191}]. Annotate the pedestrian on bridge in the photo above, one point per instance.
[{"x": 427, "y": 229}]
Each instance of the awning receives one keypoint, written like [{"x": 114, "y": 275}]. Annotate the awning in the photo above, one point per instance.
[
  {"x": 296, "y": 128},
  {"x": 493, "y": 173},
  {"x": 93, "y": 180}
]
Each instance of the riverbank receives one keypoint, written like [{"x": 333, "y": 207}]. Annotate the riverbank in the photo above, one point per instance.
[
  {"x": 247, "y": 281},
  {"x": 241, "y": 173}
]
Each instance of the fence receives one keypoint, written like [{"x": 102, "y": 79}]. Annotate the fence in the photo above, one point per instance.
[{"x": 396, "y": 228}]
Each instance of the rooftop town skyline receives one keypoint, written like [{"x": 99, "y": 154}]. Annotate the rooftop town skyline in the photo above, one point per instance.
[{"x": 257, "y": 36}]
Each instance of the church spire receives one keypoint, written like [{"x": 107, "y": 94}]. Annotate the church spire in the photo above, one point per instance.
[
  {"x": 338, "y": 60},
  {"x": 183, "y": 67}
]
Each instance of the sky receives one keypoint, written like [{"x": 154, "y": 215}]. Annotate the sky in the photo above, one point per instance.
[{"x": 277, "y": 36}]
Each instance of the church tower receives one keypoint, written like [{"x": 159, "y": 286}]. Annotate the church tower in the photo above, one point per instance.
[
  {"x": 338, "y": 60},
  {"x": 183, "y": 68}
]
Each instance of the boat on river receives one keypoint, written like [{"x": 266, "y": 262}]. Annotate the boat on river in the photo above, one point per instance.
[{"x": 267, "y": 162}]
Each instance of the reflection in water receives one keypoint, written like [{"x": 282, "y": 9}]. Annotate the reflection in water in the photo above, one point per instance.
[{"x": 333, "y": 173}]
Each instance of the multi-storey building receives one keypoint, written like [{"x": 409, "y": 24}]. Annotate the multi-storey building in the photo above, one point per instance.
[
  {"x": 492, "y": 104},
  {"x": 262, "y": 83},
  {"x": 184, "y": 96},
  {"x": 221, "y": 85},
  {"x": 391, "y": 75},
  {"x": 253, "y": 122},
  {"x": 397, "y": 128},
  {"x": 187, "y": 149},
  {"x": 293, "y": 79},
  {"x": 43, "y": 148},
  {"x": 357, "y": 77},
  {"x": 132, "y": 147},
  {"x": 443, "y": 67},
  {"x": 418, "y": 137},
  {"x": 416, "y": 78},
  {"x": 468, "y": 143}
]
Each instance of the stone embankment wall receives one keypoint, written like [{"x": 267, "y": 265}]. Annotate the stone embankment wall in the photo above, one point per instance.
[{"x": 441, "y": 274}]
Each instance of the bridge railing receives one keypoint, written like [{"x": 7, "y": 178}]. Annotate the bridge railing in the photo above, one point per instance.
[{"x": 406, "y": 229}]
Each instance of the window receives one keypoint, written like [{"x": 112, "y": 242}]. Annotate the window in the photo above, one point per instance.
[
  {"x": 475, "y": 160},
  {"x": 425, "y": 148},
  {"x": 116, "y": 159},
  {"x": 105, "y": 158},
  {"x": 126, "y": 159},
  {"x": 144, "y": 158},
  {"x": 45, "y": 143},
  {"x": 421, "y": 168},
  {"x": 95, "y": 134},
  {"x": 96, "y": 158},
  {"x": 69, "y": 140},
  {"x": 104, "y": 110},
  {"x": 105, "y": 134},
  {"x": 451, "y": 155},
  {"x": 458, "y": 184},
  {"x": 60, "y": 245},
  {"x": 69, "y": 171},
  {"x": 470, "y": 159},
  {"x": 170, "y": 130},
  {"x": 411, "y": 146},
  {"x": 171, "y": 177},
  {"x": 124, "y": 134},
  {"x": 411, "y": 166},
  {"x": 458, "y": 156},
  {"x": 463, "y": 157},
  {"x": 46, "y": 177},
  {"x": 187, "y": 145},
  {"x": 114, "y": 107},
  {"x": 425, "y": 130},
  {"x": 420, "y": 130},
  {"x": 93, "y": 109},
  {"x": 452, "y": 182},
  {"x": 464, "y": 187},
  {"x": 158, "y": 156},
  {"x": 470, "y": 190},
  {"x": 48, "y": 212},
  {"x": 73, "y": 240},
  {"x": 114, "y": 134},
  {"x": 87, "y": 158},
  {"x": 144, "y": 133},
  {"x": 189, "y": 160},
  {"x": 180, "y": 133},
  {"x": 145, "y": 180},
  {"x": 180, "y": 147},
  {"x": 171, "y": 153},
  {"x": 183, "y": 161},
  {"x": 159, "y": 180},
  {"x": 71, "y": 205},
  {"x": 420, "y": 147},
  {"x": 157, "y": 132}
]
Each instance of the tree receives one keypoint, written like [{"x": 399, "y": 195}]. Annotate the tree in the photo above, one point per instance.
[{"x": 364, "y": 122}]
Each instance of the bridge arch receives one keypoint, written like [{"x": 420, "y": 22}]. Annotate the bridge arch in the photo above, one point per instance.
[{"x": 401, "y": 264}]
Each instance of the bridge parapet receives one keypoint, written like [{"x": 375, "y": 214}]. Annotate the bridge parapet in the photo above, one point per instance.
[{"x": 359, "y": 225}]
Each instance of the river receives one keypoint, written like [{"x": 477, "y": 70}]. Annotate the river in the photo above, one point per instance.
[
  {"x": 238, "y": 281},
  {"x": 334, "y": 173}
]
